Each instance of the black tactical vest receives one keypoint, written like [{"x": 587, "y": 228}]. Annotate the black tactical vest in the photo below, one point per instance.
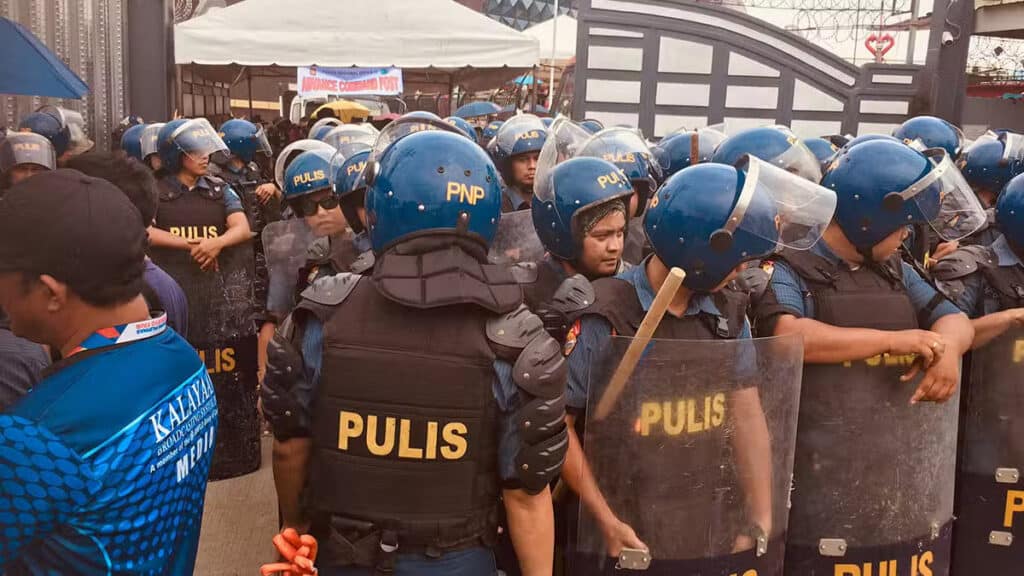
[
  {"x": 872, "y": 296},
  {"x": 1006, "y": 281},
  {"x": 404, "y": 424},
  {"x": 540, "y": 290},
  {"x": 617, "y": 302},
  {"x": 194, "y": 215}
]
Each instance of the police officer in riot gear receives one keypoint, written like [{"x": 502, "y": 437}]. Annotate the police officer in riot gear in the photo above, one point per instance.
[
  {"x": 683, "y": 149},
  {"x": 290, "y": 153},
  {"x": 580, "y": 215},
  {"x": 923, "y": 132},
  {"x": 984, "y": 281},
  {"x": 988, "y": 164},
  {"x": 131, "y": 141},
  {"x": 464, "y": 125},
  {"x": 708, "y": 220},
  {"x": 64, "y": 128},
  {"x": 349, "y": 181},
  {"x": 23, "y": 154},
  {"x": 149, "y": 146},
  {"x": 427, "y": 390},
  {"x": 517, "y": 146},
  {"x": 774, "y": 144},
  {"x": 198, "y": 213},
  {"x": 249, "y": 151},
  {"x": 870, "y": 324}
]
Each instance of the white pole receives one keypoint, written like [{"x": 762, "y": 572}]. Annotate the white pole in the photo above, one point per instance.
[{"x": 554, "y": 42}]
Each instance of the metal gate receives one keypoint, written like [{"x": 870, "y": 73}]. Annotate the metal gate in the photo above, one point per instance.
[
  {"x": 89, "y": 36},
  {"x": 662, "y": 64}
]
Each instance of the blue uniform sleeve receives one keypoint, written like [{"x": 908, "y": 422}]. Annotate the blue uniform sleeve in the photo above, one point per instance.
[
  {"x": 506, "y": 394},
  {"x": 312, "y": 359},
  {"x": 591, "y": 333},
  {"x": 789, "y": 290},
  {"x": 922, "y": 294},
  {"x": 971, "y": 299},
  {"x": 43, "y": 483},
  {"x": 232, "y": 202}
]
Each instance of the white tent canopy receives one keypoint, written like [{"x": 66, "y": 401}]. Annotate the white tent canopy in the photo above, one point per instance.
[
  {"x": 366, "y": 33},
  {"x": 565, "y": 43}
]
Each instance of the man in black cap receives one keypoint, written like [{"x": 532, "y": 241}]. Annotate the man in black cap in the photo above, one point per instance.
[{"x": 128, "y": 412}]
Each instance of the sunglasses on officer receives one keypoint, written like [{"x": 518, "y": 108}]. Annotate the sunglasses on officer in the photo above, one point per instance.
[{"x": 306, "y": 206}]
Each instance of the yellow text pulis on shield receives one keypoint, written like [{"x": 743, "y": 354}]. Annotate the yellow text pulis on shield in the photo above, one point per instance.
[{"x": 686, "y": 415}]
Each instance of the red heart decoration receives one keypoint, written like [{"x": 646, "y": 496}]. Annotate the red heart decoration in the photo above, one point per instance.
[{"x": 879, "y": 45}]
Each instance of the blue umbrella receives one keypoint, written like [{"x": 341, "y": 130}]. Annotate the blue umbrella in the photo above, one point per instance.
[
  {"x": 526, "y": 80},
  {"x": 474, "y": 109},
  {"x": 28, "y": 67}
]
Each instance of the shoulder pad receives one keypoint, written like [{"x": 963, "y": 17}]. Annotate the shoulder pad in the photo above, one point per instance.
[
  {"x": 962, "y": 263},
  {"x": 574, "y": 294},
  {"x": 319, "y": 249},
  {"x": 331, "y": 290},
  {"x": 282, "y": 405},
  {"x": 754, "y": 282},
  {"x": 524, "y": 272},
  {"x": 512, "y": 332},
  {"x": 216, "y": 180},
  {"x": 363, "y": 263},
  {"x": 541, "y": 369}
]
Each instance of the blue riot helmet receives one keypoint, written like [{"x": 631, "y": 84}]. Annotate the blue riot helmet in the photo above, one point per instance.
[
  {"x": 1010, "y": 212},
  {"x": 822, "y": 149},
  {"x": 923, "y": 132},
  {"x": 194, "y": 137},
  {"x": 348, "y": 134},
  {"x": 883, "y": 186},
  {"x": 576, "y": 186},
  {"x": 710, "y": 218},
  {"x": 992, "y": 160},
  {"x": 490, "y": 131},
  {"x": 329, "y": 121},
  {"x": 310, "y": 172},
  {"x": 24, "y": 148},
  {"x": 245, "y": 139},
  {"x": 682, "y": 149},
  {"x": 430, "y": 181},
  {"x": 131, "y": 141},
  {"x": 73, "y": 121},
  {"x": 464, "y": 126},
  {"x": 291, "y": 152},
  {"x": 866, "y": 138},
  {"x": 349, "y": 181},
  {"x": 774, "y": 144},
  {"x": 625, "y": 148},
  {"x": 592, "y": 126},
  {"x": 519, "y": 135},
  {"x": 50, "y": 127},
  {"x": 320, "y": 132}
]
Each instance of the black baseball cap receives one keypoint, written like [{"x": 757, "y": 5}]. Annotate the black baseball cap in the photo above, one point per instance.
[{"x": 81, "y": 230}]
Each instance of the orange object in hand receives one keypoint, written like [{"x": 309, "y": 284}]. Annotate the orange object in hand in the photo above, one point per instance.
[{"x": 299, "y": 553}]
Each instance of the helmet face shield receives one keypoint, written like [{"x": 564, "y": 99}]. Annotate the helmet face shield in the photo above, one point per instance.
[
  {"x": 291, "y": 152},
  {"x": 198, "y": 140},
  {"x": 345, "y": 135},
  {"x": 150, "y": 139},
  {"x": 564, "y": 140},
  {"x": 942, "y": 198},
  {"x": 802, "y": 209},
  {"x": 800, "y": 161}
]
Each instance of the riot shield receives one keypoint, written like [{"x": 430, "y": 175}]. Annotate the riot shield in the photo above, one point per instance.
[
  {"x": 285, "y": 245},
  {"x": 222, "y": 328},
  {"x": 696, "y": 456},
  {"x": 990, "y": 490},
  {"x": 873, "y": 479},
  {"x": 516, "y": 240}
]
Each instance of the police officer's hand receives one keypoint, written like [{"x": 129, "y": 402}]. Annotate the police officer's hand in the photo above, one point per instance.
[
  {"x": 927, "y": 345},
  {"x": 940, "y": 380},
  {"x": 942, "y": 250},
  {"x": 620, "y": 535},
  {"x": 297, "y": 552},
  {"x": 266, "y": 191},
  {"x": 205, "y": 253}
]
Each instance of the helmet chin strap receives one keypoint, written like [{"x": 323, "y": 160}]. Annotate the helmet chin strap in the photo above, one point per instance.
[{"x": 867, "y": 254}]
